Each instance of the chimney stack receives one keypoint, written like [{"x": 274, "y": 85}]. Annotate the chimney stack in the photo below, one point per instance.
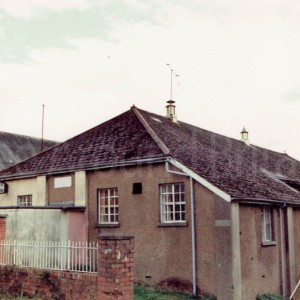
[
  {"x": 245, "y": 136},
  {"x": 171, "y": 111}
]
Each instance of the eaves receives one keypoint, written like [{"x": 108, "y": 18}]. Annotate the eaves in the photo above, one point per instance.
[{"x": 109, "y": 165}]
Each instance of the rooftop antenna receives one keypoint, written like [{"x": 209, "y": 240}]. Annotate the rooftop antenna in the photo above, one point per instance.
[
  {"x": 42, "y": 140},
  {"x": 172, "y": 71}
]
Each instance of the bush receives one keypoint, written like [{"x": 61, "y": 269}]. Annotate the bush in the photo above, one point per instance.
[
  {"x": 180, "y": 285},
  {"x": 270, "y": 297}
]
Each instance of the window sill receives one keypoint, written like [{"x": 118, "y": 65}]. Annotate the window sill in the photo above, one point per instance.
[
  {"x": 174, "y": 224},
  {"x": 107, "y": 225},
  {"x": 269, "y": 243}
]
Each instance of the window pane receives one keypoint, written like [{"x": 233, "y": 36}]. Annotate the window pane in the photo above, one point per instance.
[
  {"x": 177, "y": 216},
  {"x": 182, "y": 188},
  {"x": 268, "y": 232},
  {"x": 172, "y": 202},
  {"x": 163, "y": 198},
  {"x": 267, "y": 224},
  {"x": 183, "y": 216},
  {"x": 169, "y": 188},
  {"x": 177, "y": 188},
  {"x": 176, "y": 197},
  {"x": 108, "y": 205},
  {"x": 25, "y": 200}
]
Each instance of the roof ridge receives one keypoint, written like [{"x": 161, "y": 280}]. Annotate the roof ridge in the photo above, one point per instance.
[
  {"x": 151, "y": 132},
  {"x": 27, "y": 136},
  {"x": 259, "y": 148}
]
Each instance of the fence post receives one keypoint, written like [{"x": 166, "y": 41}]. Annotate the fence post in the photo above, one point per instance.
[
  {"x": 3, "y": 227},
  {"x": 115, "y": 267}
]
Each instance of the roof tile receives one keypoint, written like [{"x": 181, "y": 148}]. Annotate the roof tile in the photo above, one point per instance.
[{"x": 240, "y": 170}]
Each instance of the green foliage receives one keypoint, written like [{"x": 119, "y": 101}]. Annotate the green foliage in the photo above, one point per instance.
[
  {"x": 270, "y": 297},
  {"x": 147, "y": 293}
]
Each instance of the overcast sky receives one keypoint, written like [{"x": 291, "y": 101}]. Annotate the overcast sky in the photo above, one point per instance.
[{"x": 88, "y": 61}]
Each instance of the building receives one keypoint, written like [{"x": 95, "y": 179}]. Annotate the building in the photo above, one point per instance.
[
  {"x": 15, "y": 148},
  {"x": 218, "y": 212}
]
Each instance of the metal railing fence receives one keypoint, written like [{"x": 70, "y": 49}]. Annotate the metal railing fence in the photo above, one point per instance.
[{"x": 54, "y": 255}]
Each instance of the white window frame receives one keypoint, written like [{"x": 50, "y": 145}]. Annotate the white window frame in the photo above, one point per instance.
[
  {"x": 267, "y": 224},
  {"x": 24, "y": 200},
  {"x": 172, "y": 203},
  {"x": 108, "y": 206}
]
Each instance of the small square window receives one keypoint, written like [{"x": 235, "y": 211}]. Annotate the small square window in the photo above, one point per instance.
[{"x": 25, "y": 200}]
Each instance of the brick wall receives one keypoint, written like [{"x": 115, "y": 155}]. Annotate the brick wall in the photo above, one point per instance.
[
  {"x": 2, "y": 227},
  {"x": 114, "y": 280},
  {"x": 48, "y": 284},
  {"x": 116, "y": 267}
]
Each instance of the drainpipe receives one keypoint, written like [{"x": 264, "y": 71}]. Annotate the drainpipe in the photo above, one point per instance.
[
  {"x": 192, "y": 224},
  {"x": 282, "y": 256},
  {"x": 193, "y": 236}
]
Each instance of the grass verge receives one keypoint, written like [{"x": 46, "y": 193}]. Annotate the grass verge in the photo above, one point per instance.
[{"x": 147, "y": 293}]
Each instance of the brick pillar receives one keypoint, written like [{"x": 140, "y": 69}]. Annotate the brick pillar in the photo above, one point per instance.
[
  {"x": 3, "y": 227},
  {"x": 115, "y": 267}
]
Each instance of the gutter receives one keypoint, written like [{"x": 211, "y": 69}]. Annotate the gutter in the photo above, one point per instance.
[
  {"x": 45, "y": 207},
  {"x": 128, "y": 163},
  {"x": 200, "y": 179},
  {"x": 194, "y": 270},
  {"x": 260, "y": 201}
]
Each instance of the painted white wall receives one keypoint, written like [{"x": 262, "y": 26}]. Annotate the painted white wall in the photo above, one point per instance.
[
  {"x": 36, "y": 224},
  {"x": 80, "y": 188},
  {"x": 19, "y": 187},
  {"x": 37, "y": 187},
  {"x": 41, "y": 191},
  {"x": 39, "y": 223}
]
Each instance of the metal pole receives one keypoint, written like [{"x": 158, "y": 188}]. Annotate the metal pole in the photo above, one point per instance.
[
  {"x": 193, "y": 237},
  {"x": 171, "y": 84},
  {"x": 194, "y": 267},
  {"x": 42, "y": 141},
  {"x": 282, "y": 251}
]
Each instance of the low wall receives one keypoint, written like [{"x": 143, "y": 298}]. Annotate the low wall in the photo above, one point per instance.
[
  {"x": 114, "y": 280},
  {"x": 48, "y": 284}
]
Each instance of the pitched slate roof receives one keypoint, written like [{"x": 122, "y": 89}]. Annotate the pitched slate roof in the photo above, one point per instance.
[
  {"x": 15, "y": 148},
  {"x": 122, "y": 138},
  {"x": 238, "y": 169}
]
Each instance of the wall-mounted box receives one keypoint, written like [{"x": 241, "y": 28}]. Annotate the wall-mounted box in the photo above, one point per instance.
[{"x": 3, "y": 188}]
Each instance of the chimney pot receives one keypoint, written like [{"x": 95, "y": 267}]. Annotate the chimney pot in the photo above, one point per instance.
[
  {"x": 245, "y": 136},
  {"x": 171, "y": 110}
]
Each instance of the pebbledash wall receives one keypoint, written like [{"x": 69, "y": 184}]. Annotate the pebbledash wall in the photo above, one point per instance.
[
  {"x": 114, "y": 279},
  {"x": 295, "y": 272},
  {"x": 168, "y": 246},
  {"x": 260, "y": 265},
  {"x": 232, "y": 262}
]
